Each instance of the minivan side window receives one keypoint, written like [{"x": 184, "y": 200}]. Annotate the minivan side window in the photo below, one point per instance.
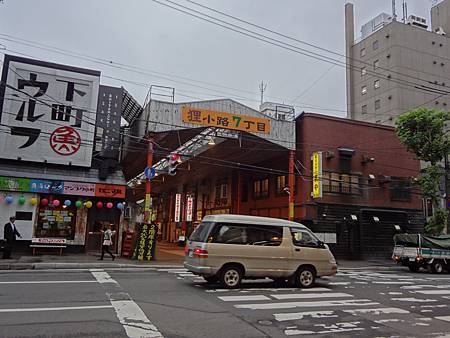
[
  {"x": 201, "y": 232},
  {"x": 304, "y": 238},
  {"x": 229, "y": 234},
  {"x": 247, "y": 234}
]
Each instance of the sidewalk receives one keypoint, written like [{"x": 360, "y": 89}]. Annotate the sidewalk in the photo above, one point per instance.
[{"x": 167, "y": 255}]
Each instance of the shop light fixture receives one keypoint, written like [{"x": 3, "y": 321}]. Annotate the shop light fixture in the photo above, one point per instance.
[{"x": 354, "y": 217}]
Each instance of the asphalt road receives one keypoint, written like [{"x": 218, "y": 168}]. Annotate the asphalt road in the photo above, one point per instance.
[{"x": 173, "y": 303}]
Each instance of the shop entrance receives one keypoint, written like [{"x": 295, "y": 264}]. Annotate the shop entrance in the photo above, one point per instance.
[{"x": 98, "y": 219}]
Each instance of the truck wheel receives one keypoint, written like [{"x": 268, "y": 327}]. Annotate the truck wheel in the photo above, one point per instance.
[
  {"x": 437, "y": 266},
  {"x": 413, "y": 267},
  {"x": 231, "y": 277},
  {"x": 211, "y": 279},
  {"x": 305, "y": 277}
]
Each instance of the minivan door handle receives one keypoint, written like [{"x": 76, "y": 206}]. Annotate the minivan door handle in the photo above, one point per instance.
[{"x": 297, "y": 249}]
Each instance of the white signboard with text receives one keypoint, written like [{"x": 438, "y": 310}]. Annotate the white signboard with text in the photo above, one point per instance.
[
  {"x": 177, "y": 207},
  {"x": 47, "y": 112},
  {"x": 189, "y": 205}
]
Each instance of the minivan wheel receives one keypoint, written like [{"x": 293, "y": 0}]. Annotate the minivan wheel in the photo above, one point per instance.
[
  {"x": 230, "y": 277},
  {"x": 211, "y": 279},
  {"x": 305, "y": 277}
]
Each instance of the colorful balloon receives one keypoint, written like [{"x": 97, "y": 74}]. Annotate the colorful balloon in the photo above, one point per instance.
[
  {"x": 67, "y": 203},
  {"x": 44, "y": 202},
  {"x": 78, "y": 204},
  {"x": 9, "y": 199},
  {"x": 33, "y": 201},
  {"x": 88, "y": 204},
  {"x": 109, "y": 205},
  {"x": 22, "y": 200},
  {"x": 99, "y": 205},
  {"x": 119, "y": 206},
  {"x": 56, "y": 203}
]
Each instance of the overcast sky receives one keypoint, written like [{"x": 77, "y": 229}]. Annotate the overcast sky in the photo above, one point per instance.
[{"x": 144, "y": 34}]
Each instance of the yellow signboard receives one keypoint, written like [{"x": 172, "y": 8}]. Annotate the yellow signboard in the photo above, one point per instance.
[
  {"x": 317, "y": 174},
  {"x": 147, "y": 205},
  {"x": 225, "y": 120}
]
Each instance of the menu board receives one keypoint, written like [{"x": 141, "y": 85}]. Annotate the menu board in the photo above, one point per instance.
[
  {"x": 145, "y": 245},
  {"x": 56, "y": 222}
]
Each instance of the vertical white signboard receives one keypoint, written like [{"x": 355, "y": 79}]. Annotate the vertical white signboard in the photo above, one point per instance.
[
  {"x": 189, "y": 205},
  {"x": 177, "y": 207}
]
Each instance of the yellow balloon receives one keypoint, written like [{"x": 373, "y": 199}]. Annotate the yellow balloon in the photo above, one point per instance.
[
  {"x": 33, "y": 201},
  {"x": 88, "y": 204}
]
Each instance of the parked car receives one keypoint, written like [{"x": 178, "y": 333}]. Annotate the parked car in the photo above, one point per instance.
[{"x": 228, "y": 248}]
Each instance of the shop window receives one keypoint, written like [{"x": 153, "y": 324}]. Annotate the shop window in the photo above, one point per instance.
[
  {"x": 221, "y": 192},
  {"x": 341, "y": 183},
  {"x": 261, "y": 188},
  {"x": 375, "y": 45},
  {"x": 400, "y": 189},
  {"x": 56, "y": 221},
  {"x": 376, "y": 84},
  {"x": 281, "y": 184},
  {"x": 377, "y": 104},
  {"x": 364, "y": 109}
]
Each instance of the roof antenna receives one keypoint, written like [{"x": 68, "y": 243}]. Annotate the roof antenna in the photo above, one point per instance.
[
  {"x": 394, "y": 14},
  {"x": 262, "y": 89}
]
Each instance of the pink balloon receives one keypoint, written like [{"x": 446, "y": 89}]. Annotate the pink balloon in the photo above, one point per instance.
[
  {"x": 56, "y": 203},
  {"x": 109, "y": 205}
]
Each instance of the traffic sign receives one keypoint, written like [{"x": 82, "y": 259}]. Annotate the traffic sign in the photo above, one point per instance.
[{"x": 150, "y": 172}]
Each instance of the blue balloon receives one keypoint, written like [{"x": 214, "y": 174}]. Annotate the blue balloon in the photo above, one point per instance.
[
  {"x": 119, "y": 206},
  {"x": 67, "y": 203},
  {"x": 9, "y": 199}
]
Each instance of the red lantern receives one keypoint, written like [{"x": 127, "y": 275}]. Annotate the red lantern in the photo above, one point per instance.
[
  {"x": 99, "y": 205},
  {"x": 44, "y": 202}
]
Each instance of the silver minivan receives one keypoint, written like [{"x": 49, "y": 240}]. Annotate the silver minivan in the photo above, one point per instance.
[{"x": 227, "y": 248}]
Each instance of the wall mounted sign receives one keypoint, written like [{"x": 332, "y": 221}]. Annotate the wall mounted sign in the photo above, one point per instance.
[
  {"x": 80, "y": 189},
  {"x": 189, "y": 207},
  {"x": 14, "y": 184},
  {"x": 177, "y": 207},
  {"x": 109, "y": 190},
  {"x": 204, "y": 117},
  {"x": 317, "y": 174}
]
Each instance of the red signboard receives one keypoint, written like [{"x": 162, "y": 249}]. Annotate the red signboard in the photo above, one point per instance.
[{"x": 110, "y": 190}]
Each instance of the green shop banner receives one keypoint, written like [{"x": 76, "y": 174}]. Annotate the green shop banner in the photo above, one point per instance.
[{"x": 14, "y": 184}]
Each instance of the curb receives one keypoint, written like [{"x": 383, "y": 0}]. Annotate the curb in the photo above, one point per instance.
[{"x": 83, "y": 266}]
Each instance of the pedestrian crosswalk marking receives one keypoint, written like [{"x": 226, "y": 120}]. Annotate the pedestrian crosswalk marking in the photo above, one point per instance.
[
  {"x": 243, "y": 298},
  {"x": 434, "y": 292},
  {"x": 293, "y": 305},
  {"x": 444, "y": 318},
  {"x": 311, "y": 295},
  {"x": 281, "y": 317},
  {"x": 385, "y": 310}
]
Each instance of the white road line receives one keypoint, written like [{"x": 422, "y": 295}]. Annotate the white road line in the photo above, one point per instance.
[
  {"x": 293, "y": 305},
  {"x": 384, "y": 310},
  {"x": 130, "y": 315},
  {"x": 64, "y": 308},
  {"x": 243, "y": 298},
  {"x": 102, "y": 277},
  {"x": 311, "y": 295},
  {"x": 391, "y": 282},
  {"x": 445, "y": 318},
  {"x": 281, "y": 317},
  {"x": 50, "y": 282},
  {"x": 415, "y": 300},
  {"x": 434, "y": 292}
]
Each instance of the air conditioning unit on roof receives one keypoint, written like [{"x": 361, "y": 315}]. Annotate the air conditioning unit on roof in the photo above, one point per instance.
[{"x": 417, "y": 21}]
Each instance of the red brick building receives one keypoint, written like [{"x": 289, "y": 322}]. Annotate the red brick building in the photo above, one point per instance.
[{"x": 367, "y": 192}]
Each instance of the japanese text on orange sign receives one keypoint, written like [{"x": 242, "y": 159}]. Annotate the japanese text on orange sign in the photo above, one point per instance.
[{"x": 225, "y": 120}]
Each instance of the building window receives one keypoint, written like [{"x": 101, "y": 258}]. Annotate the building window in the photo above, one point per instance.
[
  {"x": 364, "y": 90},
  {"x": 221, "y": 192},
  {"x": 377, "y": 104},
  {"x": 281, "y": 184},
  {"x": 400, "y": 189},
  {"x": 261, "y": 188},
  {"x": 363, "y": 52},
  {"x": 363, "y": 71},
  {"x": 376, "y": 84},
  {"x": 376, "y": 64},
  {"x": 375, "y": 45},
  {"x": 56, "y": 221},
  {"x": 341, "y": 183},
  {"x": 364, "y": 109}
]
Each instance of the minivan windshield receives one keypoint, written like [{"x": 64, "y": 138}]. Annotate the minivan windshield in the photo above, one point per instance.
[{"x": 200, "y": 233}]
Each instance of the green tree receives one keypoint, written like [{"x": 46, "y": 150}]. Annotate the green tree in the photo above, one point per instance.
[{"x": 425, "y": 133}]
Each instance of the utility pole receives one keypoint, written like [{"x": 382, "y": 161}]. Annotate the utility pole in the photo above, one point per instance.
[
  {"x": 148, "y": 184},
  {"x": 291, "y": 182},
  {"x": 447, "y": 191},
  {"x": 394, "y": 13},
  {"x": 262, "y": 89}
]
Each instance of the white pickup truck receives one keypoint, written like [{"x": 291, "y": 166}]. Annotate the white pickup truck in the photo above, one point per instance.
[{"x": 416, "y": 251}]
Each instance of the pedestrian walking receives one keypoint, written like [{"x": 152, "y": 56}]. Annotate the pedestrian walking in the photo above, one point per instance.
[
  {"x": 10, "y": 233},
  {"x": 107, "y": 242}
]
